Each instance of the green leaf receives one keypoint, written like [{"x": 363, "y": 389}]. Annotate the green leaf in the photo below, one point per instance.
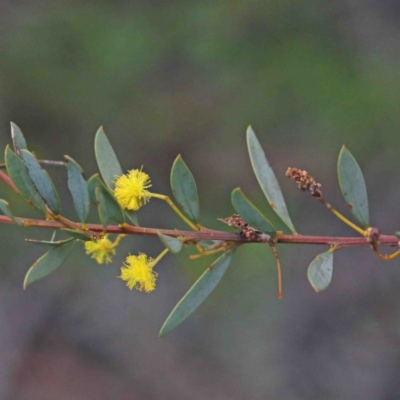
[
  {"x": 49, "y": 262},
  {"x": 397, "y": 234},
  {"x": 78, "y": 188},
  {"x": 49, "y": 242},
  {"x": 77, "y": 234},
  {"x": 103, "y": 210},
  {"x": 320, "y": 271},
  {"x": 198, "y": 292},
  {"x": 352, "y": 185},
  {"x": 19, "y": 174},
  {"x": 267, "y": 179},
  {"x": 248, "y": 211},
  {"x": 107, "y": 160},
  {"x": 114, "y": 209},
  {"x": 93, "y": 183},
  {"x": 18, "y": 139},
  {"x": 105, "y": 200},
  {"x": 132, "y": 216},
  {"x": 5, "y": 207},
  {"x": 185, "y": 190},
  {"x": 42, "y": 181},
  {"x": 174, "y": 245}
]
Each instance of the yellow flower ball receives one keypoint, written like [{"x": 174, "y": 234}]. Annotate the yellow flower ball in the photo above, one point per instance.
[
  {"x": 138, "y": 273},
  {"x": 102, "y": 249},
  {"x": 130, "y": 189}
]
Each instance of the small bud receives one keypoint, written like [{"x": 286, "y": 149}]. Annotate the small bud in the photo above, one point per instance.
[
  {"x": 372, "y": 235},
  {"x": 305, "y": 181}
]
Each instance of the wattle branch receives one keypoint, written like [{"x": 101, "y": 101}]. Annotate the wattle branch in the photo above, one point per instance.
[
  {"x": 118, "y": 196},
  {"x": 209, "y": 234}
]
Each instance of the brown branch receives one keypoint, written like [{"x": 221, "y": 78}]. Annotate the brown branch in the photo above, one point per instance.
[
  {"x": 76, "y": 226},
  {"x": 209, "y": 234}
]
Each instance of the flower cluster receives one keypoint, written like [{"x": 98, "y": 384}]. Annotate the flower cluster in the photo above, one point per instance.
[
  {"x": 138, "y": 273},
  {"x": 131, "y": 193},
  {"x": 102, "y": 249},
  {"x": 131, "y": 189}
]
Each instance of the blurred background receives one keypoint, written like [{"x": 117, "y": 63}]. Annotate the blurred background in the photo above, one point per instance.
[{"x": 188, "y": 77}]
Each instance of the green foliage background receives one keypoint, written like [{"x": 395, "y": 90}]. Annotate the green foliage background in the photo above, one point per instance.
[{"x": 188, "y": 77}]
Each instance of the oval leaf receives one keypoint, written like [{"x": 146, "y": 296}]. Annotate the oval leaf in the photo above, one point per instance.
[
  {"x": 267, "y": 179},
  {"x": 49, "y": 262},
  {"x": 107, "y": 160},
  {"x": 248, "y": 211},
  {"x": 198, "y": 292},
  {"x": 77, "y": 234},
  {"x": 19, "y": 174},
  {"x": 5, "y": 207},
  {"x": 320, "y": 271},
  {"x": 78, "y": 188},
  {"x": 185, "y": 190},
  {"x": 42, "y": 181},
  {"x": 352, "y": 185},
  {"x": 174, "y": 245},
  {"x": 17, "y": 138}
]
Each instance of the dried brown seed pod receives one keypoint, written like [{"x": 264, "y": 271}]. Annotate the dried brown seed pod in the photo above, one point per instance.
[{"x": 305, "y": 181}]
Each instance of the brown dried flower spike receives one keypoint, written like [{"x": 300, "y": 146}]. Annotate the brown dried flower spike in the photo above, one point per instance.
[{"x": 305, "y": 181}]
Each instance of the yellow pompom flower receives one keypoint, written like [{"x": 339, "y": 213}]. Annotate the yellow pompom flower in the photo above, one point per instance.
[
  {"x": 138, "y": 272},
  {"x": 102, "y": 249},
  {"x": 130, "y": 189}
]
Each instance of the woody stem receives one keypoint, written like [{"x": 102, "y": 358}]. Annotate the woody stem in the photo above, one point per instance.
[{"x": 209, "y": 234}]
